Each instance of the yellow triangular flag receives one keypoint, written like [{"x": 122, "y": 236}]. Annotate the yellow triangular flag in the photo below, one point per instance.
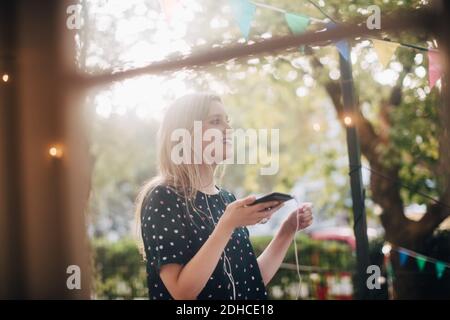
[{"x": 384, "y": 50}]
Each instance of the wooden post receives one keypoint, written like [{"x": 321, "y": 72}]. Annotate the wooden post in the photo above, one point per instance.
[
  {"x": 46, "y": 194},
  {"x": 356, "y": 184}
]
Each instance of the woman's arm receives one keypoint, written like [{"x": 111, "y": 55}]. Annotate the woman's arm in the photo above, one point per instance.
[
  {"x": 186, "y": 282},
  {"x": 271, "y": 258}
]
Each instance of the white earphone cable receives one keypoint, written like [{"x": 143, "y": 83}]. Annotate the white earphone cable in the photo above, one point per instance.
[
  {"x": 296, "y": 252},
  {"x": 225, "y": 258}
]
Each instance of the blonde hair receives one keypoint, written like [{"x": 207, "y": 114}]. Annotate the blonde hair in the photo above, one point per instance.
[{"x": 182, "y": 178}]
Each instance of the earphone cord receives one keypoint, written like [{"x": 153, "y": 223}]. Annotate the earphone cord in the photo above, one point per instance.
[
  {"x": 225, "y": 258},
  {"x": 296, "y": 252}
]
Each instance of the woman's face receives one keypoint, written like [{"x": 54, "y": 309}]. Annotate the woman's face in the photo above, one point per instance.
[{"x": 217, "y": 120}]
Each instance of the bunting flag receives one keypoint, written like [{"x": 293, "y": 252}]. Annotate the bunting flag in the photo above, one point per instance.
[
  {"x": 385, "y": 50},
  {"x": 244, "y": 11},
  {"x": 440, "y": 268},
  {"x": 403, "y": 257},
  {"x": 169, "y": 7},
  {"x": 434, "y": 67},
  {"x": 344, "y": 49},
  {"x": 297, "y": 24},
  {"x": 421, "y": 261},
  {"x": 342, "y": 45}
]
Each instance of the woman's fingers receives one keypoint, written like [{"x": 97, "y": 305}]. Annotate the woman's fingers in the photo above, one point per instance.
[
  {"x": 306, "y": 205},
  {"x": 276, "y": 208},
  {"x": 267, "y": 214},
  {"x": 306, "y": 221},
  {"x": 263, "y": 206},
  {"x": 305, "y": 209},
  {"x": 304, "y": 216},
  {"x": 244, "y": 202}
]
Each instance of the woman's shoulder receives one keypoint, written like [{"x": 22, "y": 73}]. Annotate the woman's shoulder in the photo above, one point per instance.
[
  {"x": 162, "y": 198},
  {"x": 161, "y": 191}
]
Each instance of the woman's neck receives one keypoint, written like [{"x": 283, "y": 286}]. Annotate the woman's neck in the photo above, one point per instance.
[{"x": 207, "y": 182}]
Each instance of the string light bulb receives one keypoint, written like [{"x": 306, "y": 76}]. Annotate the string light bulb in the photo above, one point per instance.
[
  {"x": 55, "y": 151},
  {"x": 386, "y": 249},
  {"x": 348, "y": 121},
  {"x": 5, "y": 77},
  {"x": 316, "y": 127}
]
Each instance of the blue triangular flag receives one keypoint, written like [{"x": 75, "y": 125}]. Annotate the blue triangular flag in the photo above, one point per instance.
[
  {"x": 341, "y": 45},
  {"x": 344, "y": 49},
  {"x": 403, "y": 257},
  {"x": 243, "y": 11}
]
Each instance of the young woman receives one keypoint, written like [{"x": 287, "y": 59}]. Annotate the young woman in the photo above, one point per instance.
[{"x": 194, "y": 234}]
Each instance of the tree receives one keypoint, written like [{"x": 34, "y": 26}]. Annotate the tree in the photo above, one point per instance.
[{"x": 407, "y": 146}]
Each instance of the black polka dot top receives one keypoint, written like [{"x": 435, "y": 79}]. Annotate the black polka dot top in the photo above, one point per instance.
[{"x": 171, "y": 234}]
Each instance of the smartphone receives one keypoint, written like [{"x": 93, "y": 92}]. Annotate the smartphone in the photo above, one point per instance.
[{"x": 274, "y": 196}]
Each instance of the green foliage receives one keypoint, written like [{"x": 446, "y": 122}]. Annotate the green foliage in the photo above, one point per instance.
[
  {"x": 332, "y": 254},
  {"x": 330, "y": 257},
  {"x": 415, "y": 139},
  {"x": 119, "y": 270}
]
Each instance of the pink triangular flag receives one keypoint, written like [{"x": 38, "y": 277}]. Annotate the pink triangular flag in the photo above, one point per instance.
[{"x": 434, "y": 67}]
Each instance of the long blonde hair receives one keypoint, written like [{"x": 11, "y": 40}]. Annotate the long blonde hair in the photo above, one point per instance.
[{"x": 183, "y": 178}]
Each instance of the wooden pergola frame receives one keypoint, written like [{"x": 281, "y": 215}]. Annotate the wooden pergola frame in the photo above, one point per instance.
[{"x": 42, "y": 199}]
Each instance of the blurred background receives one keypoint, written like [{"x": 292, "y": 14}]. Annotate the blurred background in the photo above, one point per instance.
[{"x": 297, "y": 91}]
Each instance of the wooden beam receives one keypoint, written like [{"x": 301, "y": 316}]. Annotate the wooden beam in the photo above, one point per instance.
[{"x": 422, "y": 19}]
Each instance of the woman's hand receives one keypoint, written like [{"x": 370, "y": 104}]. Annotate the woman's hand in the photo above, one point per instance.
[
  {"x": 299, "y": 219},
  {"x": 241, "y": 213}
]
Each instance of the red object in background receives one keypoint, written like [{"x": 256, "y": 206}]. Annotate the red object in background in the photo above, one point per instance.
[
  {"x": 336, "y": 234},
  {"x": 322, "y": 292}
]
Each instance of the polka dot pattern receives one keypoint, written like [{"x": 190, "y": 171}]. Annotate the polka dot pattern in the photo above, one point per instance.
[{"x": 172, "y": 235}]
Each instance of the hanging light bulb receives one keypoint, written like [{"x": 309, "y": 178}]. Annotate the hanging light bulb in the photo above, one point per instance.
[
  {"x": 348, "y": 121},
  {"x": 5, "y": 77},
  {"x": 386, "y": 249},
  {"x": 55, "y": 151}
]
